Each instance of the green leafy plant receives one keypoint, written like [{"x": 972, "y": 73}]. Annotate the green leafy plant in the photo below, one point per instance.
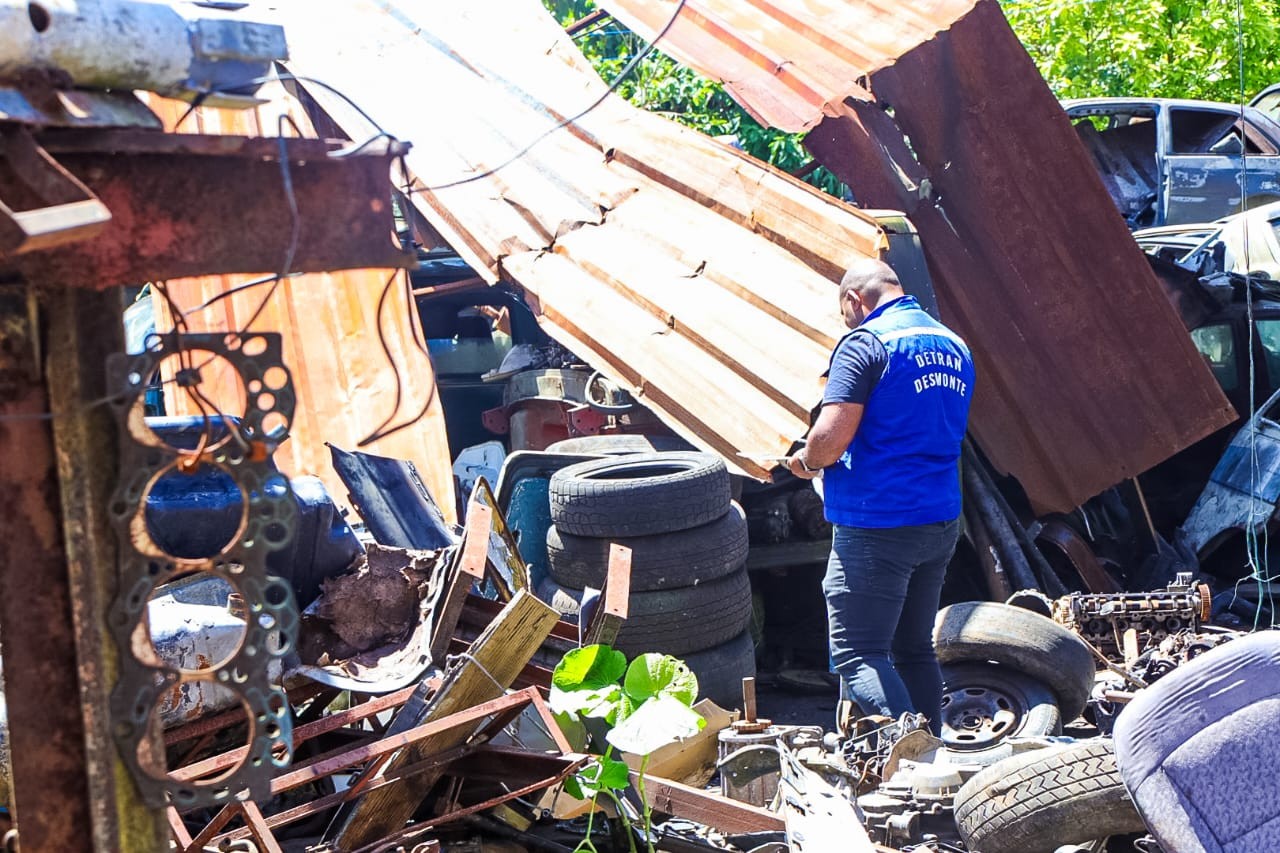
[{"x": 603, "y": 704}]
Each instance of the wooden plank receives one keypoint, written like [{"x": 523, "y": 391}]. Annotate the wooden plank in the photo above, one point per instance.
[
  {"x": 495, "y": 659},
  {"x": 612, "y": 612},
  {"x": 728, "y": 816},
  {"x": 470, "y": 571},
  {"x": 479, "y": 612}
]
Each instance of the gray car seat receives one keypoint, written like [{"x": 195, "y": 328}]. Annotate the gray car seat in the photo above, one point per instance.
[{"x": 1199, "y": 750}]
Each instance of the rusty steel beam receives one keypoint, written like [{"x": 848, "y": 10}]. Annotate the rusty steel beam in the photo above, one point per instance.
[
  {"x": 186, "y": 205},
  {"x": 57, "y": 466},
  {"x": 217, "y": 722},
  {"x": 83, "y": 329},
  {"x": 552, "y": 769},
  {"x": 329, "y": 801},
  {"x": 50, "y": 798},
  {"x": 324, "y": 725},
  {"x": 496, "y": 762}
]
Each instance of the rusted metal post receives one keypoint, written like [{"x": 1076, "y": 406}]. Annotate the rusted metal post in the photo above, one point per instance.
[
  {"x": 612, "y": 612},
  {"x": 58, "y": 558},
  {"x": 50, "y": 799}
]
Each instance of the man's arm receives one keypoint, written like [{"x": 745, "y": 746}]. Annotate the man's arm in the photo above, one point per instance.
[{"x": 828, "y": 439}]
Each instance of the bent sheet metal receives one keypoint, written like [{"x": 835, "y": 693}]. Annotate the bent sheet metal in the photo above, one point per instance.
[
  {"x": 695, "y": 276},
  {"x": 1030, "y": 263}
]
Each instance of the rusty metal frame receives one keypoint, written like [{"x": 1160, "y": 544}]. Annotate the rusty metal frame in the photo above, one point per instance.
[
  {"x": 373, "y": 754},
  {"x": 189, "y": 204},
  {"x": 69, "y": 211}
]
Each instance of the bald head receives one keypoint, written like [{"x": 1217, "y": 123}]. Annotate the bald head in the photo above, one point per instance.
[{"x": 867, "y": 284}]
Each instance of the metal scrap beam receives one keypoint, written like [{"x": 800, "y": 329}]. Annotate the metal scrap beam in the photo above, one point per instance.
[
  {"x": 186, "y": 205},
  {"x": 70, "y": 790}
]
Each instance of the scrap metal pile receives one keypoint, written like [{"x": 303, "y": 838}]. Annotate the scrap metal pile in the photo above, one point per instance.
[{"x": 226, "y": 663}]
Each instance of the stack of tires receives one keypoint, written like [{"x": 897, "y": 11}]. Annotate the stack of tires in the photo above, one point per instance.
[{"x": 690, "y": 595}]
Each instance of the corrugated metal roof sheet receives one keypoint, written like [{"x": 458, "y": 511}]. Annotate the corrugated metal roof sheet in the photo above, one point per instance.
[
  {"x": 329, "y": 323},
  {"x": 1085, "y": 374},
  {"x": 698, "y": 277},
  {"x": 788, "y": 61}
]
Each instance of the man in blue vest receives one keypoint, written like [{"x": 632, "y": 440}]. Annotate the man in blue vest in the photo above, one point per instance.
[{"x": 887, "y": 442}]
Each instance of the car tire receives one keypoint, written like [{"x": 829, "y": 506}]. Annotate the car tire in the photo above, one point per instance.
[
  {"x": 984, "y": 703},
  {"x": 720, "y": 670},
  {"x": 618, "y": 445},
  {"x": 662, "y": 561},
  {"x": 1039, "y": 801},
  {"x": 1022, "y": 641},
  {"x": 639, "y": 494},
  {"x": 672, "y": 621}
]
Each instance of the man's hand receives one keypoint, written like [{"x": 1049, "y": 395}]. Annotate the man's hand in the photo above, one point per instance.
[{"x": 795, "y": 466}]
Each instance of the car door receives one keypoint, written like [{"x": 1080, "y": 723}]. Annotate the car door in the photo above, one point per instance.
[
  {"x": 1203, "y": 148},
  {"x": 1121, "y": 140}
]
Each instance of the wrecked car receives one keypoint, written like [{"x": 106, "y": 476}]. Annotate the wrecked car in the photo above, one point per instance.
[
  {"x": 1166, "y": 161},
  {"x": 1247, "y": 242}
]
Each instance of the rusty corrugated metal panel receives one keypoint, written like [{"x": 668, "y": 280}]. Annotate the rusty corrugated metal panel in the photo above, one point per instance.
[
  {"x": 788, "y": 61},
  {"x": 330, "y": 324},
  {"x": 1086, "y": 374},
  {"x": 1086, "y": 377},
  {"x": 695, "y": 275}
]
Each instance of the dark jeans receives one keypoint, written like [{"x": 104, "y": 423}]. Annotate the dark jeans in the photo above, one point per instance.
[{"x": 882, "y": 588}]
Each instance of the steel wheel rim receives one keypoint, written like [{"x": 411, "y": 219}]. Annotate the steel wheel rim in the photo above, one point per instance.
[{"x": 977, "y": 716}]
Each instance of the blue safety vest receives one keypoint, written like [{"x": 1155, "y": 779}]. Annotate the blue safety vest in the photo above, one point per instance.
[{"x": 902, "y": 467}]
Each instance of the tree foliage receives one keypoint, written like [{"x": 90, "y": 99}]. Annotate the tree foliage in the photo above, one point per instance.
[
  {"x": 1151, "y": 48},
  {"x": 661, "y": 85},
  {"x": 1083, "y": 48}
]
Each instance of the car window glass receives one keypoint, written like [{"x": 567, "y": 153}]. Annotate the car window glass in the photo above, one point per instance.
[
  {"x": 1269, "y": 337},
  {"x": 1206, "y": 131},
  {"x": 1218, "y": 349},
  {"x": 1269, "y": 104},
  {"x": 472, "y": 340}
]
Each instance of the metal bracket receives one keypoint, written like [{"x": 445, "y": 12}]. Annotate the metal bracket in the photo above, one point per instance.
[
  {"x": 584, "y": 420},
  {"x": 496, "y": 420},
  {"x": 72, "y": 212}
]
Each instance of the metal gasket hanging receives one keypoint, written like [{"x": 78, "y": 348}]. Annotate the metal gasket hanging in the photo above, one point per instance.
[{"x": 240, "y": 448}]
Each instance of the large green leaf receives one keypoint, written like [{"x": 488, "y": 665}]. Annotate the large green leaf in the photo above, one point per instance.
[
  {"x": 602, "y": 774},
  {"x": 597, "y": 702},
  {"x": 589, "y": 667},
  {"x": 656, "y": 723},
  {"x": 652, "y": 675},
  {"x": 573, "y": 730}
]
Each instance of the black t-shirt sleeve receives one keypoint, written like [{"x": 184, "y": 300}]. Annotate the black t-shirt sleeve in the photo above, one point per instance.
[{"x": 857, "y": 366}]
